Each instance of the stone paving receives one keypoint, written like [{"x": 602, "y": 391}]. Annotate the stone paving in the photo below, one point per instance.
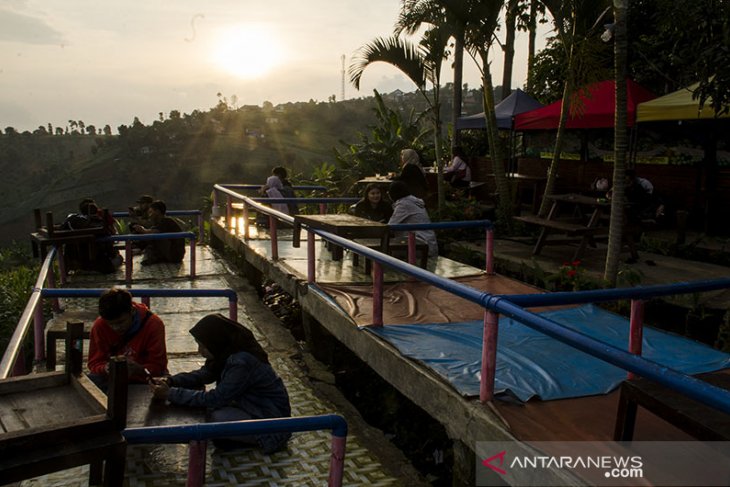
[{"x": 304, "y": 462}]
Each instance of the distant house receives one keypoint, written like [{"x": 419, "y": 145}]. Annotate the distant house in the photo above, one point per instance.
[{"x": 396, "y": 95}]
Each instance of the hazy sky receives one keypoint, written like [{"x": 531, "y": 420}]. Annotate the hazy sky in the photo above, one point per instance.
[{"x": 106, "y": 62}]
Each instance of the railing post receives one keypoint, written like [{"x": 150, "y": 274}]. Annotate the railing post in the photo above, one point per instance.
[
  {"x": 51, "y": 284},
  {"x": 39, "y": 333},
  {"x": 322, "y": 208},
  {"x": 201, "y": 228},
  {"x": 274, "y": 238},
  {"x": 412, "y": 248},
  {"x": 377, "y": 294},
  {"x": 196, "y": 463},
  {"x": 337, "y": 461},
  {"x": 311, "y": 274},
  {"x": 229, "y": 212},
  {"x": 192, "y": 258},
  {"x": 146, "y": 301},
  {"x": 489, "y": 251},
  {"x": 489, "y": 356},
  {"x": 245, "y": 221},
  {"x": 233, "y": 309},
  {"x": 61, "y": 265},
  {"x": 128, "y": 262},
  {"x": 636, "y": 331}
]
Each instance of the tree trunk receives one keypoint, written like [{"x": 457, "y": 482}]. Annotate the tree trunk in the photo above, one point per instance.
[
  {"x": 504, "y": 205},
  {"x": 509, "y": 47},
  {"x": 532, "y": 33},
  {"x": 620, "y": 145},
  {"x": 458, "y": 78},
  {"x": 438, "y": 150}
]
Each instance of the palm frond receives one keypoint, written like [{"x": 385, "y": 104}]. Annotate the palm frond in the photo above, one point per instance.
[{"x": 395, "y": 51}]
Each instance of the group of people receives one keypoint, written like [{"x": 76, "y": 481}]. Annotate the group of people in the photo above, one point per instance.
[
  {"x": 246, "y": 386},
  {"x": 148, "y": 216}
]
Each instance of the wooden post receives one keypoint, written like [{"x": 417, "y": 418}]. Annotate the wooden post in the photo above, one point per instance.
[
  {"x": 322, "y": 209},
  {"x": 377, "y": 294},
  {"x": 489, "y": 251},
  {"x": 311, "y": 273},
  {"x": 74, "y": 352},
  {"x": 49, "y": 224},
  {"x": 116, "y": 409}
]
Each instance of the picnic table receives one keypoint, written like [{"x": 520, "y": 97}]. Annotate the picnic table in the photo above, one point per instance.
[
  {"x": 583, "y": 221},
  {"x": 346, "y": 226}
]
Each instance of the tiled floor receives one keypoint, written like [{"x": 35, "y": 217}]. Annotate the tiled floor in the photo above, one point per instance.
[{"x": 304, "y": 462}]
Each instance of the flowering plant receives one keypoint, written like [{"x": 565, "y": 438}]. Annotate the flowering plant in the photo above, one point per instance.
[{"x": 569, "y": 277}]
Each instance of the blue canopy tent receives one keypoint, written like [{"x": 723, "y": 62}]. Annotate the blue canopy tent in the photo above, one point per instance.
[{"x": 517, "y": 102}]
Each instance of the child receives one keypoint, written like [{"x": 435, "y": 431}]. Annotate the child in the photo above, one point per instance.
[{"x": 246, "y": 385}]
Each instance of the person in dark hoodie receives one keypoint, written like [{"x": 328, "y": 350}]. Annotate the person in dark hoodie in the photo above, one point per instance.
[
  {"x": 409, "y": 209},
  {"x": 372, "y": 205},
  {"x": 246, "y": 385}
]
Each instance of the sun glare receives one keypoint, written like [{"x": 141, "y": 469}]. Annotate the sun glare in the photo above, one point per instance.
[{"x": 247, "y": 51}]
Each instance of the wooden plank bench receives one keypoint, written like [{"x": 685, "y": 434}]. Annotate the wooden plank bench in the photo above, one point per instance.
[
  {"x": 694, "y": 418},
  {"x": 56, "y": 420},
  {"x": 56, "y": 330},
  {"x": 567, "y": 227}
]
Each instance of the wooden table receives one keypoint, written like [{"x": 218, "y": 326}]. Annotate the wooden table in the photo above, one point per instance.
[
  {"x": 535, "y": 184},
  {"x": 377, "y": 179},
  {"x": 694, "y": 418},
  {"x": 346, "y": 226},
  {"x": 56, "y": 420},
  {"x": 583, "y": 222}
]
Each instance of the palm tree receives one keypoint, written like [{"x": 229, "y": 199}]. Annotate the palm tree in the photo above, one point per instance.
[
  {"x": 615, "y": 231},
  {"x": 422, "y": 65}
]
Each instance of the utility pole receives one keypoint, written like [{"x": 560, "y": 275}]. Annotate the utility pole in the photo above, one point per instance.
[{"x": 342, "y": 92}]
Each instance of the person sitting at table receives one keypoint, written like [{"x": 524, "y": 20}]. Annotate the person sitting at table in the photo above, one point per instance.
[
  {"x": 165, "y": 250},
  {"x": 247, "y": 387},
  {"x": 97, "y": 256},
  {"x": 129, "y": 329},
  {"x": 372, "y": 205},
  {"x": 458, "y": 172},
  {"x": 139, "y": 214},
  {"x": 412, "y": 173},
  {"x": 407, "y": 208},
  {"x": 278, "y": 186}
]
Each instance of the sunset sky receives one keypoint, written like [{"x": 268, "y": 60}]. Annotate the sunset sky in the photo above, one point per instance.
[{"x": 107, "y": 62}]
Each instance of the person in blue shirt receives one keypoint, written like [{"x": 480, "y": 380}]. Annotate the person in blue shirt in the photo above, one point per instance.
[{"x": 246, "y": 385}]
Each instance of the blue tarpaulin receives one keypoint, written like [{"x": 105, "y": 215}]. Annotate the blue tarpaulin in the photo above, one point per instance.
[{"x": 530, "y": 363}]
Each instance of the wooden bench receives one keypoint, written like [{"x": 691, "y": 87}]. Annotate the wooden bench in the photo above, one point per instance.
[
  {"x": 566, "y": 227},
  {"x": 56, "y": 330},
  {"x": 396, "y": 247},
  {"x": 56, "y": 420},
  {"x": 694, "y": 418}
]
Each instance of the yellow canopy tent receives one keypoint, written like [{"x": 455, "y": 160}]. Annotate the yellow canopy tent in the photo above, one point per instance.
[{"x": 678, "y": 105}]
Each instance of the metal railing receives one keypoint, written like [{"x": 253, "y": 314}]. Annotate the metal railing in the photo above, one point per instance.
[{"x": 196, "y": 434}]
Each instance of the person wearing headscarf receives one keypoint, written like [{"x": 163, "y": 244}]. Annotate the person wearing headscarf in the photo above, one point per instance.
[
  {"x": 246, "y": 385},
  {"x": 409, "y": 209},
  {"x": 278, "y": 186},
  {"x": 372, "y": 205},
  {"x": 412, "y": 173}
]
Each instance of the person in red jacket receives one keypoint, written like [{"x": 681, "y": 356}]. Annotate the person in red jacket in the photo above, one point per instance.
[{"x": 128, "y": 329}]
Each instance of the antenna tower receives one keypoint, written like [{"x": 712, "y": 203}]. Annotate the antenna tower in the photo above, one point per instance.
[{"x": 342, "y": 92}]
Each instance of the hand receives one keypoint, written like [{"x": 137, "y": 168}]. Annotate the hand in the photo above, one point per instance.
[
  {"x": 160, "y": 388},
  {"x": 135, "y": 369}
]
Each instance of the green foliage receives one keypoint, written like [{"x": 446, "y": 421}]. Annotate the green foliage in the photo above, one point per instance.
[
  {"x": 17, "y": 277},
  {"x": 379, "y": 151}
]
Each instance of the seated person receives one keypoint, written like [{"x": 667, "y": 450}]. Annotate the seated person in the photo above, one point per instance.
[
  {"x": 458, "y": 172},
  {"x": 412, "y": 174},
  {"x": 166, "y": 250},
  {"x": 246, "y": 385},
  {"x": 409, "y": 209},
  {"x": 129, "y": 329},
  {"x": 599, "y": 187},
  {"x": 278, "y": 186},
  {"x": 139, "y": 215},
  {"x": 98, "y": 257},
  {"x": 372, "y": 206},
  {"x": 642, "y": 202}
]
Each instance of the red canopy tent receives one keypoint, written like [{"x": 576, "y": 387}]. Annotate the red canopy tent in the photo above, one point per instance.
[{"x": 593, "y": 107}]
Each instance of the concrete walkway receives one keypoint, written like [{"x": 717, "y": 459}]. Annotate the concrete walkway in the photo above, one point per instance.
[{"x": 370, "y": 459}]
